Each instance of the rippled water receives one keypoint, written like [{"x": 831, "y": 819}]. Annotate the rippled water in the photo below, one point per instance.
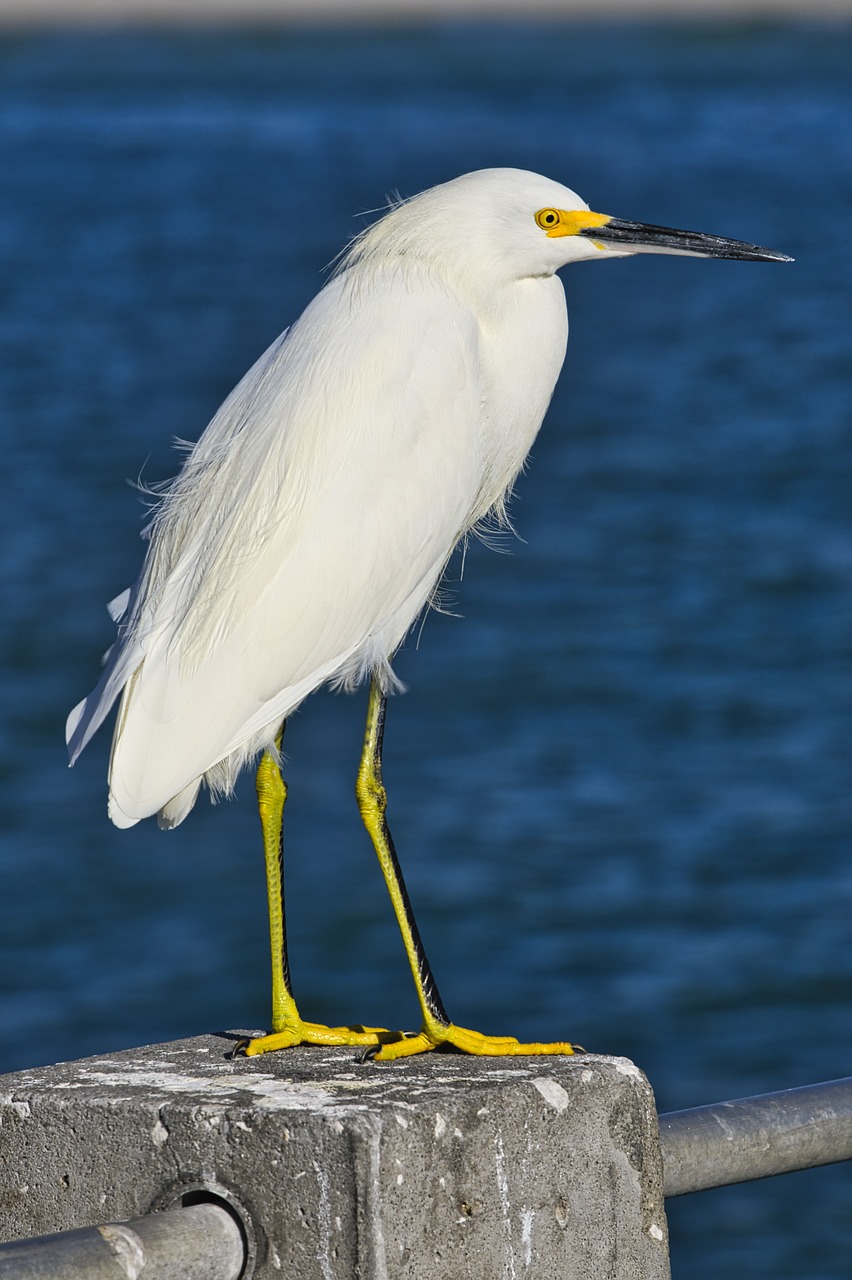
[{"x": 620, "y": 784}]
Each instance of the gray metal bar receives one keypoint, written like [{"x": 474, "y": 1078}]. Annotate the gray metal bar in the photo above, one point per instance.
[
  {"x": 756, "y": 1137},
  {"x": 202, "y": 1242}
]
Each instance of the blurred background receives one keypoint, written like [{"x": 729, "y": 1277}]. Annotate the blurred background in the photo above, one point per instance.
[{"x": 619, "y": 783}]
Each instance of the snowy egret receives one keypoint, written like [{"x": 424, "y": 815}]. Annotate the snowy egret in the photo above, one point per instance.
[{"x": 312, "y": 521}]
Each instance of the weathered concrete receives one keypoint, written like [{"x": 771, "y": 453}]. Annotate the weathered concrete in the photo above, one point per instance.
[{"x": 436, "y": 1168}]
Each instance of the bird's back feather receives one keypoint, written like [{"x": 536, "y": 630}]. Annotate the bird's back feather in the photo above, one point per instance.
[{"x": 296, "y": 547}]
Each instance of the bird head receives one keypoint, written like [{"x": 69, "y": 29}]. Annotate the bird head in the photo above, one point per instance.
[{"x": 513, "y": 224}]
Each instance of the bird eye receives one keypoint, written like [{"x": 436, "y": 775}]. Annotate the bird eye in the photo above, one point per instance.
[{"x": 547, "y": 219}]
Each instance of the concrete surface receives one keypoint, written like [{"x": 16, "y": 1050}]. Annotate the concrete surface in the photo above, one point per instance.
[{"x": 441, "y": 1167}]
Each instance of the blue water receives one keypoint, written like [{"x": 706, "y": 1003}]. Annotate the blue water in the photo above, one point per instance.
[{"x": 620, "y": 783}]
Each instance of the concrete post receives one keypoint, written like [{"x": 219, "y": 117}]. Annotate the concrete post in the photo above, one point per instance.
[{"x": 440, "y": 1167}]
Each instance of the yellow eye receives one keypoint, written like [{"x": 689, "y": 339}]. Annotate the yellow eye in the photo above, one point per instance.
[{"x": 547, "y": 219}]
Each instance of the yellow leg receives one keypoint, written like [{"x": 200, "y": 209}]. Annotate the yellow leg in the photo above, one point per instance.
[
  {"x": 437, "y": 1029},
  {"x": 287, "y": 1026}
]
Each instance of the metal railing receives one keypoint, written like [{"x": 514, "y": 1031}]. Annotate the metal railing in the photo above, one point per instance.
[
  {"x": 201, "y": 1242},
  {"x": 757, "y": 1137}
]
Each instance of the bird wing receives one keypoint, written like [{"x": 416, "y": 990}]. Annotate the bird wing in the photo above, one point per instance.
[{"x": 305, "y": 533}]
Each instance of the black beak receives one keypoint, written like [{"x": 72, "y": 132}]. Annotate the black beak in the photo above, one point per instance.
[{"x": 642, "y": 237}]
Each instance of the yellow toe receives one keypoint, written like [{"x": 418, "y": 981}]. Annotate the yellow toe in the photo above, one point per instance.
[
  {"x": 434, "y": 1037},
  {"x": 300, "y": 1032}
]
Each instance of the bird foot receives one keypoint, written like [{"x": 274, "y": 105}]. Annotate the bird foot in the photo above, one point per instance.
[
  {"x": 301, "y": 1032},
  {"x": 439, "y": 1036}
]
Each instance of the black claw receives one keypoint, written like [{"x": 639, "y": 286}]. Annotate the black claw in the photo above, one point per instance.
[
  {"x": 239, "y": 1049},
  {"x": 369, "y": 1053}
]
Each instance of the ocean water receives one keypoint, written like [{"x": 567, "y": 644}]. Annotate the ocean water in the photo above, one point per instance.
[{"x": 619, "y": 781}]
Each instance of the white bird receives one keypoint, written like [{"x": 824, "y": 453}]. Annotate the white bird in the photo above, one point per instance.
[{"x": 312, "y": 521}]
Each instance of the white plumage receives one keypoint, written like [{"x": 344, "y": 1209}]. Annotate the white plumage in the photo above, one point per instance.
[{"x": 312, "y": 521}]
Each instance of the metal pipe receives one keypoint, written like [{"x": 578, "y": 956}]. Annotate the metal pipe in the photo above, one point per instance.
[
  {"x": 747, "y": 1138},
  {"x": 201, "y": 1242}
]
